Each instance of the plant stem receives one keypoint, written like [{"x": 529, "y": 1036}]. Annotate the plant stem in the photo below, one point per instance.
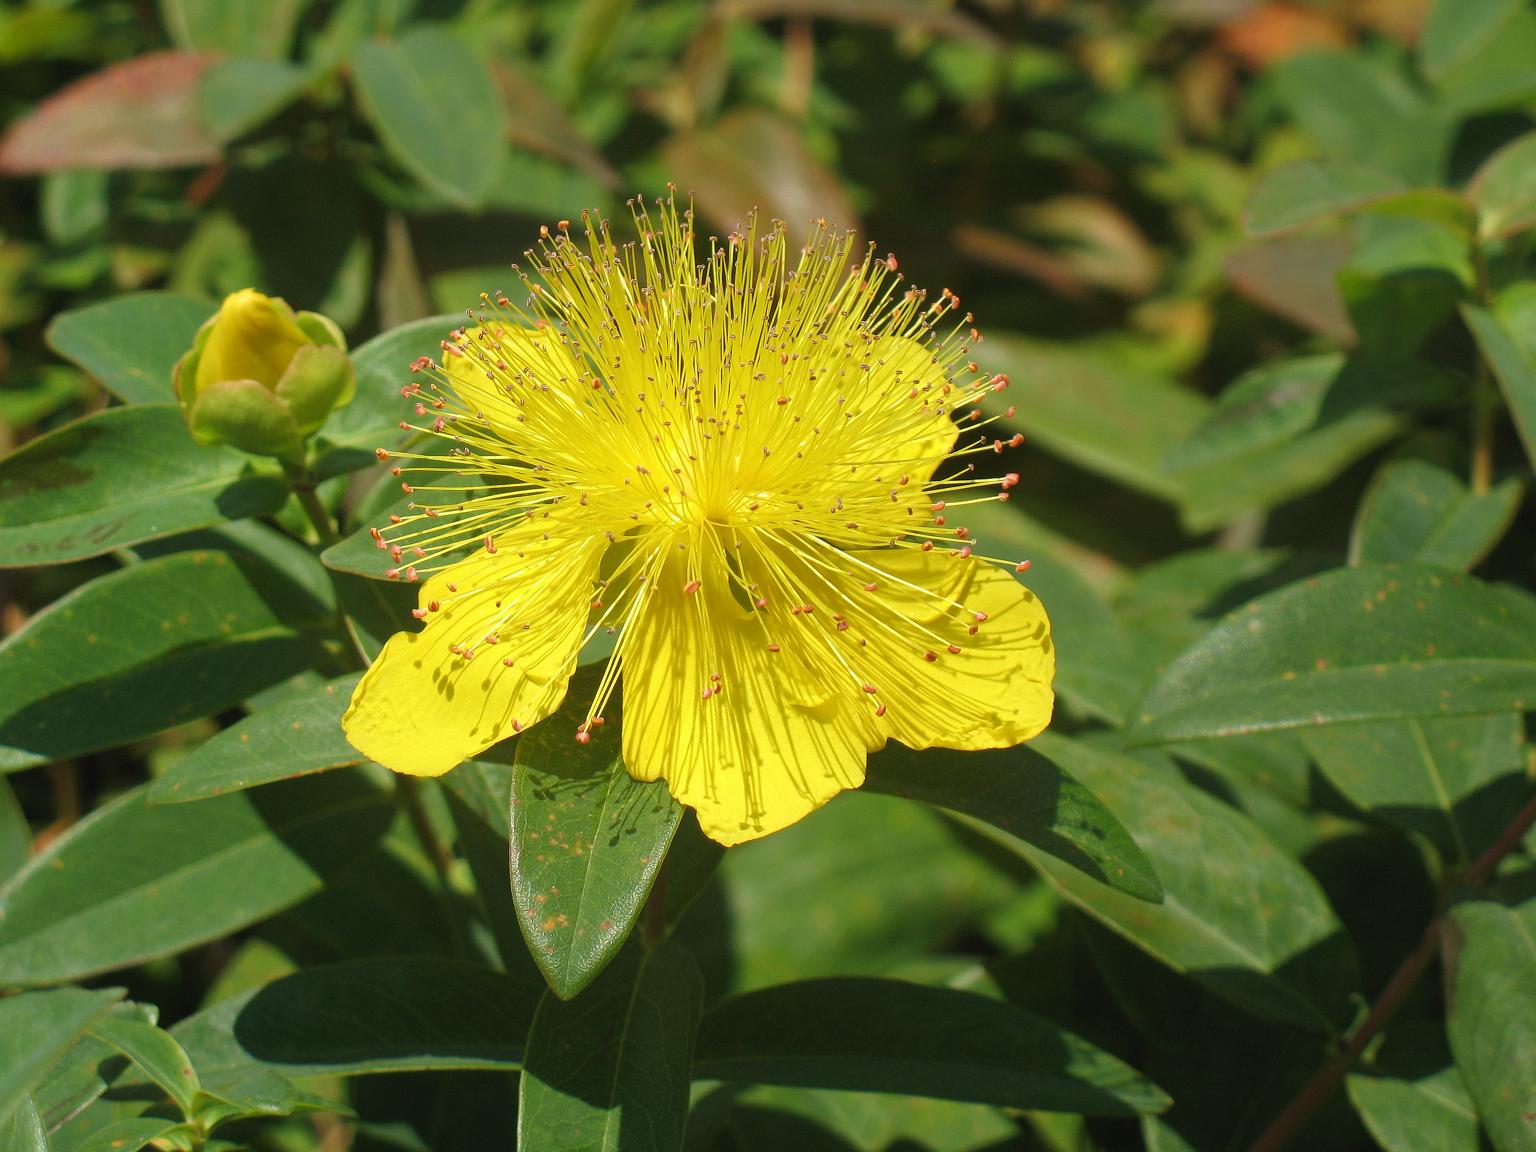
[
  {"x": 304, "y": 489},
  {"x": 653, "y": 919},
  {"x": 408, "y": 788},
  {"x": 1325, "y": 1081},
  {"x": 1484, "y": 402}
]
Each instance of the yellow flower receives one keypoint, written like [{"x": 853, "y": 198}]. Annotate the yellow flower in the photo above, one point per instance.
[
  {"x": 732, "y": 465},
  {"x": 262, "y": 377}
]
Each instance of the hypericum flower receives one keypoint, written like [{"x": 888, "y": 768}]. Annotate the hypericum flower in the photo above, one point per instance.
[
  {"x": 732, "y": 466},
  {"x": 262, "y": 377}
]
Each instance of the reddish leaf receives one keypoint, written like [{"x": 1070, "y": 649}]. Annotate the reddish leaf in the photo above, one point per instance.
[
  {"x": 142, "y": 113},
  {"x": 1294, "y": 277}
]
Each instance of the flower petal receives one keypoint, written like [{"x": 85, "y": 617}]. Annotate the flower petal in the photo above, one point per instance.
[
  {"x": 768, "y": 747},
  {"x": 423, "y": 708}
]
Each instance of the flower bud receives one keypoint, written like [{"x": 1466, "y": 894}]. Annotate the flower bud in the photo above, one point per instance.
[{"x": 261, "y": 377}]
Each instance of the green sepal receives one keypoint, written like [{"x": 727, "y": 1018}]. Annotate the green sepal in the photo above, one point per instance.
[
  {"x": 245, "y": 415},
  {"x": 319, "y": 379}
]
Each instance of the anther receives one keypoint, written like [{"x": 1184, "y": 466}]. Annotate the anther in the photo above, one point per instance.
[
  {"x": 930, "y": 655},
  {"x": 954, "y": 649},
  {"x": 381, "y": 453},
  {"x": 692, "y": 586},
  {"x": 490, "y": 545},
  {"x": 1022, "y": 566}
]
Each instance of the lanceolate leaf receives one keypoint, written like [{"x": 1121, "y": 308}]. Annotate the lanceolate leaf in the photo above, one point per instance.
[
  {"x": 587, "y": 842},
  {"x": 1513, "y": 368},
  {"x": 134, "y": 880},
  {"x": 381, "y": 1015},
  {"x": 1314, "y": 190},
  {"x": 1025, "y": 795},
  {"x": 1411, "y": 1097},
  {"x": 1238, "y": 916},
  {"x": 865, "y": 1034},
  {"x": 131, "y": 343},
  {"x": 149, "y": 646},
  {"x": 22, "y": 1130},
  {"x": 609, "y": 1072},
  {"x": 156, "y": 1054},
  {"x": 1417, "y": 511},
  {"x": 1490, "y": 953},
  {"x": 120, "y": 477},
  {"x": 1370, "y": 643},
  {"x": 36, "y": 1028},
  {"x": 297, "y": 737}
]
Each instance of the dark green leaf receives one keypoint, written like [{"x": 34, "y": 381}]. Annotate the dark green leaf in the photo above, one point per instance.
[
  {"x": 119, "y": 477},
  {"x": 84, "y": 1072},
  {"x": 1369, "y": 643},
  {"x": 1453, "y": 780},
  {"x": 1418, "y": 511},
  {"x": 128, "y": 1135},
  {"x": 254, "y": 1092},
  {"x": 865, "y": 1034},
  {"x": 131, "y": 343},
  {"x": 135, "y": 880},
  {"x": 149, "y": 646},
  {"x": 1412, "y": 1098},
  {"x": 15, "y": 833},
  {"x": 610, "y": 1071},
  {"x": 1238, "y": 915},
  {"x": 1512, "y": 365},
  {"x": 770, "y": 1119},
  {"x": 1493, "y": 75},
  {"x": 74, "y": 204},
  {"x": 436, "y": 108},
  {"x": 1490, "y": 958},
  {"x": 296, "y": 737},
  {"x": 587, "y": 841},
  {"x": 36, "y": 1028},
  {"x": 1027, "y": 796},
  {"x": 391, "y": 1014},
  {"x": 157, "y": 1055},
  {"x": 1314, "y": 190},
  {"x": 361, "y": 554},
  {"x": 1504, "y": 189}
]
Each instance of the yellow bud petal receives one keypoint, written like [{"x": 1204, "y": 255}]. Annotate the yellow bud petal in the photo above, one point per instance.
[{"x": 253, "y": 337}]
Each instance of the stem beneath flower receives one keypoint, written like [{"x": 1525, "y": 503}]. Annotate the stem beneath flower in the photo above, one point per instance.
[
  {"x": 325, "y": 528},
  {"x": 653, "y": 920},
  {"x": 408, "y": 788}
]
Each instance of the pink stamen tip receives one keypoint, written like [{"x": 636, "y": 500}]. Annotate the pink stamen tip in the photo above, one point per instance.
[
  {"x": 880, "y": 711},
  {"x": 773, "y": 648},
  {"x": 490, "y": 545},
  {"x": 1022, "y": 566},
  {"x": 692, "y": 586},
  {"x": 583, "y": 736},
  {"x": 981, "y": 617},
  {"x": 954, "y": 649},
  {"x": 871, "y": 586},
  {"x": 871, "y": 689},
  {"x": 1010, "y": 480},
  {"x": 930, "y": 656},
  {"x": 381, "y": 453}
]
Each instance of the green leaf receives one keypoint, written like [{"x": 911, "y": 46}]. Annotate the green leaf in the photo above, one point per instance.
[
  {"x": 389, "y": 1014},
  {"x": 1490, "y": 962},
  {"x": 382, "y": 366},
  {"x": 1312, "y": 190},
  {"x": 1238, "y": 916},
  {"x": 74, "y": 204},
  {"x": 1456, "y": 30},
  {"x": 610, "y": 1071},
  {"x": 1027, "y": 796},
  {"x": 1415, "y": 511},
  {"x": 1494, "y": 75},
  {"x": 1295, "y": 276},
  {"x": 238, "y": 95},
  {"x": 1453, "y": 780},
  {"x": 131, "y": 343},
  {"x": 255, "y": 1092},
  {"x": 1096, "y": 409},
  {"x": 587, "y": 842},
  {"x": 22, "y": 1130},
  {"x": 134, "y": 880},
  {"x": 152, "y": 645},
  {"x": 1507, "y": 339},
  {"x": 436, "y": 108},
  {"x": 119, "y": 477},
  {"x": 36, "y": 1028},
  {"x": 864, "y": 1034},
  {"x": 1411, "y": 1097},
  {"x": 1272, "y": 405},
  {"x": 1504, "y": 189},
  {"x": 233, "y": 27},
  {"x": 1376, "y": 642},
  {"x": 1360, "y": 109},
  {"x": 361, "y": 554},
  {"x": 156, "y": 1054},
  {"x": 128, "y": 1135},
  {"x": 15, "y": 833},
  {"x": 296, "y": 737}
]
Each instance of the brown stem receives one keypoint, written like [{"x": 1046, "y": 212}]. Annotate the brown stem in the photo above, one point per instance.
[
  {"x": 1484, "y": 402},
  {"x": 1325, "y": 1081},
  {"x": 653, "y": 919},
  {"x": 408, "y": 788}
]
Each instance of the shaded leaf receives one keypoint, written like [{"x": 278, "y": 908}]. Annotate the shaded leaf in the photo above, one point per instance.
[
  {"x": 22, "y": 1130},
  {"x": 36, "y": 1028},
  {"x": 238, "y": 95},
  {"x": 297, "y": 737},
  {"x": 15, "y": 833},
  {"x": 1490, "y": 957},
  {"x": 1417, "y": 511},
  {"x": 1456, "y": 30},
  {"x": 1513, "y": 366},
  {"x": 1238, "y": 916},
  {"x": 610, "y": 1071},
  {"x": 1027, "y": 796},
  {"x": 1412, "y": 1098},
  {"x": 140, "y": 113},
  {"x": 156, "y": 1054},
  {"x": 261, "y": 28},
  {"x": 131, "y": 343},
  {"x": 1368, "y": 643},
  {"x": 1295, "y": 277},
  {"x": 865, "y": 1034},
  {"x": 135, "y": 880},
  {"x": 1313, "y": 190},
  {"x": 389, "y": 1014},
  {"x": 119, "y": 477},
  {"x": 1495, "y": 74},
  {"x": 436, "y": 108},
  {"x": 206, "y": 630},
  {"x": 128, "y": 1135},
  {"x": 84, "y": 1072},
  {"x": 1504, "y": 189}
]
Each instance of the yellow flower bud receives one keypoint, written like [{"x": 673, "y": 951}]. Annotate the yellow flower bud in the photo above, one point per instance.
[{"x": 261, "y": 377}]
